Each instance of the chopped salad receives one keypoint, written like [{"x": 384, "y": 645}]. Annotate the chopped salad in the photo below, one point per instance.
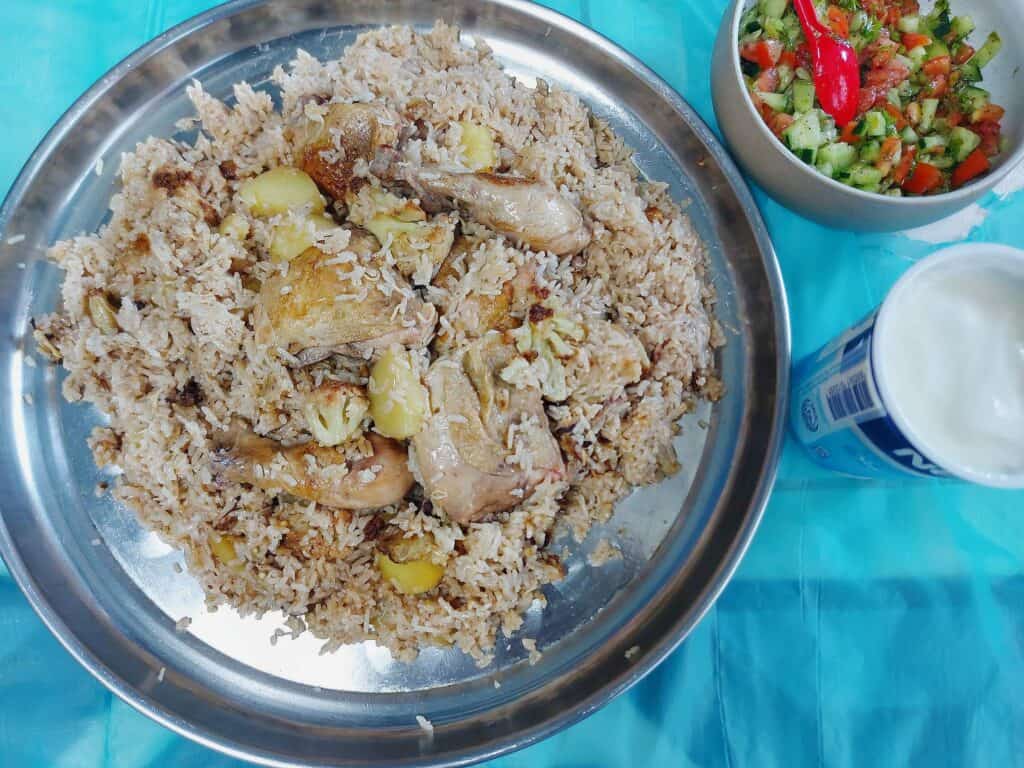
[{"x": 924, "y": 123}]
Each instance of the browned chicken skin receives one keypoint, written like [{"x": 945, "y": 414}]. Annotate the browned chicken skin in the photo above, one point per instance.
[
  {"x": 246, "y": 457},
  {"x": 316, "y": 309},
  {"x": 348, "y": 134},
  {"x": 462, "y": 452},
  {"x": 530, "y": 211}
]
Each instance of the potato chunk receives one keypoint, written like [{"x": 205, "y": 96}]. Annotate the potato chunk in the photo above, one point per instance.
[
  {"x": 398, "y": 399},
  {"x": 281, "y": 190}
]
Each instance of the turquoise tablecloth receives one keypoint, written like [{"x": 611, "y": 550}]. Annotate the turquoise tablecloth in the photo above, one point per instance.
[{"x": 872, "y": 624}]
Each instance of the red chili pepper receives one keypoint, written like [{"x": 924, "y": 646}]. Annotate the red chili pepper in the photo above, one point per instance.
[
  {"x": 975, "y": 165},
  {"x": 925, "y": 178}
]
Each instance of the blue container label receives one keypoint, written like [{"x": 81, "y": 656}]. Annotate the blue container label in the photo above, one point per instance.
[{"x": 839, "y": 414}]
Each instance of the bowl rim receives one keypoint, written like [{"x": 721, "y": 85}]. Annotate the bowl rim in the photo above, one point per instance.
[{"x": 965, "y": 195}]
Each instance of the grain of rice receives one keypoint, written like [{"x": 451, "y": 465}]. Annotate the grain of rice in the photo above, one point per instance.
[{"x": 15, "y": 239}]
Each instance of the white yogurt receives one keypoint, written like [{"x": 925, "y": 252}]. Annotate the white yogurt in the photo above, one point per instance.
[{"x": 949, "y": 361}]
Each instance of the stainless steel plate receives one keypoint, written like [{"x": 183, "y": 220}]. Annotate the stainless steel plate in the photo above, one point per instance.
[{"x": 108, "y": 588}]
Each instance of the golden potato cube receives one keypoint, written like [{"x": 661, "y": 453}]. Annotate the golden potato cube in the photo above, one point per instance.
[
  {"x": 281, "y": 190},
  {"x": 398, "y": 399},
  {"x": 291, "y": 238},
  {"x": 225, "y": 550},
  {"x": 478, "y": 147},
  {"x": 412, "y": 578}
]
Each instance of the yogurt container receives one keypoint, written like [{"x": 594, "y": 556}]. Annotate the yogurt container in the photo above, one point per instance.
[{"x": 931, "y": 383}]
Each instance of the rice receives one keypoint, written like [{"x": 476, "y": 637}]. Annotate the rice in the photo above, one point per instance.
[
  {"x": 629, "y": 352},
  {"x": 425, "y": 725}
]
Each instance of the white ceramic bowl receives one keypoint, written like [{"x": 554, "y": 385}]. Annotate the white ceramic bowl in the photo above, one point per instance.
[{"x": 801, "y": 188}]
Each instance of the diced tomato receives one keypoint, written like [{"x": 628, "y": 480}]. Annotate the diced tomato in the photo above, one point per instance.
[
  {"x": 780, "y": 122},
  {"x": 889, "y": 75},
  {"x": 910, "y": 7},
  {"x": 940, "y": 65},
  {"x": 788, "y": 59},
  {"x": 849, "y": 134},
  {"x": 963, "y": 54},
  {"x": 990, "y": 113},
  {"x": 976, "y": 164},
  {"x": 838, "y": 21},
  {"x": 990, "y": 133},
  {"x": 803, "y": 56},
  {"x": 764, "y": 53},
  {"x": 912, "y": 40},
  {"x": 955, "y": 117},
  {"x": 925, "y": 178},
  {"x": 890, "y": 148},
  {"x": 868, "y": 97},
  {"x": 897, "y": 116},
  {"x": 768, "y": 80},
  {"x": 902, "y": 171},
  {"x": 938, "y": 86}
]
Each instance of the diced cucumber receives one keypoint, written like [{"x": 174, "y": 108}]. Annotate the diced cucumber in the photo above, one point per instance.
[
  {"x": 963, "y": 26},
  {"x": 929, "y": 143},
  {"x": 803, "y": 96},
  {"x": 840, "y": 156},
  {"x": 805, "y": 133},
  {"x": 909, "y": 136},
  {"x": 911, "y": 24},
  {"x": 875, "y": 121},
  {"x": 905, "y": 90},
  {"x": 962, "y": 142},
  {"x": 773, "y": 9},
  {"x": 942, "y": 162},
  {"x": 803, "y": 74},
  {"x": 939, "y": 21},
  {"x": 893, "y": 97},
  {"x": 871, "y": 152},
  {"x": 917, "y": 57},
  {"x": 935, "y": 50},
  {"x": 858, "y": 21},
  {"x": 973, "y": 98},
  {"x": 776, "y": 101},
  {"x": 988, "y": 51},
  {"x": 970, "y": 73},
  {"x": 825, "y": 169},
  {"x": 866, "y": 176},
  {"x": 786, "y": 76},
  {"x": 894, "y": 192},
  {"x": 809, "y": 156},
  {"x": 928, "y": 109},
  {"x": 774, "y": 29}
]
